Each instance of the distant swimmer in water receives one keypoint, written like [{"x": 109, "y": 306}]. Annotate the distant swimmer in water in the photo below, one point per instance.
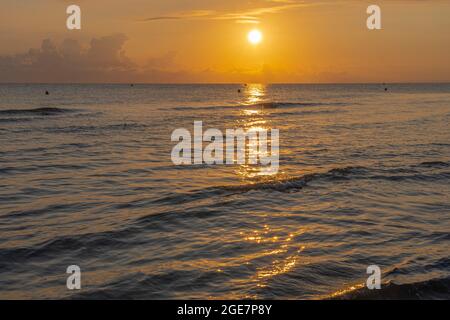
[
  {"x": 132, "y": 85},
  {"x": 385, "y": 89},
  {"x": 239, "y": 90},
  {"x": 47, "y": 93}
]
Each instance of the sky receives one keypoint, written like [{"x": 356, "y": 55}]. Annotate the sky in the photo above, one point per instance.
[{"x": 205, "y": 41}]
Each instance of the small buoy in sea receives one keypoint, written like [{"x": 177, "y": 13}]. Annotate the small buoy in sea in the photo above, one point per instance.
[{"x": 47, "y": 93}]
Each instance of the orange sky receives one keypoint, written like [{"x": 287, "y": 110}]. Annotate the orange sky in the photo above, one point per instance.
[{"x": 206, "y": 41}]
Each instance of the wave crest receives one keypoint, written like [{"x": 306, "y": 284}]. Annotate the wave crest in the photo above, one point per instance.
[{"x": 44, "y": 111}]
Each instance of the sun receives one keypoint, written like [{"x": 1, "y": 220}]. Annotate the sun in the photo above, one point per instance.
[{"x": 255, "y": 36}]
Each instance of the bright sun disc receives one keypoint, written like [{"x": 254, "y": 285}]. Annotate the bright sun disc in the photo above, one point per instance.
[{"x": 255, "y": 36}]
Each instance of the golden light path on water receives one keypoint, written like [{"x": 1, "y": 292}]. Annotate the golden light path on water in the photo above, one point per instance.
[
  {"x": 279, "y": 246},
  {"x": 254, "y": 116},
  {"x": 282, "y": 249},
  {"x": 286, "y": 253},
  {"x": 254, "y": 93}
]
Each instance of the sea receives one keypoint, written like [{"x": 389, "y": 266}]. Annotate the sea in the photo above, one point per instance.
[{"x": 87, "y": 180}]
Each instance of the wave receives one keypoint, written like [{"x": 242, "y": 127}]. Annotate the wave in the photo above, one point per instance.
[
  {"x": 434, "y": 164},
  {"x": 80, "y": 243},
  {"x": 44, "y": 111},
  {"x": 434, "y": 289},
  {"x": 413, "y": 177},
  {"x": 281, "y": 185},
  {"x": 274, "y": 105},
  {"x": 264, "y": 105},
  {"x": 296, "y": 183},
  {"x": 97, "y": 129},
  {"x": 343, "y": 173},
  {"x": 14, "y": 120}
]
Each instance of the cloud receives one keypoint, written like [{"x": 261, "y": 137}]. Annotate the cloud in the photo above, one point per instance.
[
  {"x": 192, "y": 14},
  {"x": 252, "y": 11},
  {"x": 249, "y": 15},
  {"x": 162, "y": 18},
  {"x": 103, "y": 60}
]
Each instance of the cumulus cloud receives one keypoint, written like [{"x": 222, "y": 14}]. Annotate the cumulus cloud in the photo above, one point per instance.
[{"x": 103, "y": 60}]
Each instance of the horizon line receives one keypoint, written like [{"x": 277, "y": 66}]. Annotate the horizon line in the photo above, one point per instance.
[{"x": 222, "y": 83}]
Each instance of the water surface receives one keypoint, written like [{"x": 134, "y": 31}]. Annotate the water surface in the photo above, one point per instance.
[{"x": 87, "y": 179}]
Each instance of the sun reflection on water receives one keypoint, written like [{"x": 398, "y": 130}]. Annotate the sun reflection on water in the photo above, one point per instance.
[
  {"x": 286, "y": 252},
  {"x": 254, "y": 93},
  {"x": 346, "y": 291},
  {"x": 249, "y": 112},
  {"x": 253, "y": 117}
]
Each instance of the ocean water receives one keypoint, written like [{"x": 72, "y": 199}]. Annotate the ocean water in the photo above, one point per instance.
[{"x": 86, "y": 179}]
